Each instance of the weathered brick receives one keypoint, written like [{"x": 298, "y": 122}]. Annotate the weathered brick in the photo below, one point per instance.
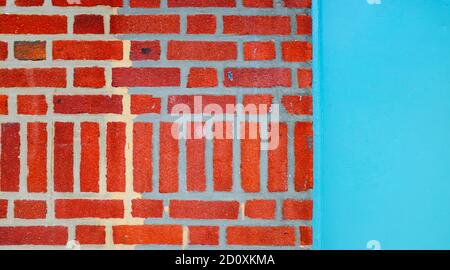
[{"x": 30, "y": 50}]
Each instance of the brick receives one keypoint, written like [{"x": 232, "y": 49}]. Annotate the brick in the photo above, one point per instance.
[
  {"x": 142, "y": 104},
  {"x": 202, "y": 78},
  {"x": 90, "y": 235},
  {"x": 33, "y": 77},
  {"x": 4, "y": 104},
  {"x": 33, "y": 24},
  {"x": 115, "y": 157},
  {"x": 250, "y": 157},
  {"x": 29, "y": 3},
  {"x": 2, "y": 2},
  {"x": 145, "y": 24},
  {"x": 195, "y": 158},
  {"x": 88, "y": 24},
  {"x": 204, "y": 209},
  {"x": 277, "y": 177},
  {"x": 297, "y": 209},
  {"x": 83, "y": 208},
  {"x": 303, "y": 151},
  {"x": 9, "y": 161},
  {"x": 297, "y": 104},
  {"x": 304, "y": 25},
  {"x": 145, "y": 50},
  {"x": 90, "y": 157},
  {"x": 148, "y": 234},
  {"x": 142, "y": 157},
  {"x": 297, "y": 3},
  {"x": 147, "y": 208},
  {"x": 3, "y": 50},
  {"x": 202, "y": 50},
  {"x": 3, "y": 208},
  {"x": 189, "y": 101},
  {"x": 202, "y": 3},
  {"x": 92, "y": 77},
  {"x": 63, "y": 157},
  {"x": 32, "y": 104},
  {"x": 30, "y": 50},
  {"x": 27, "y": 209},
  {"x": 306, "y": 235},
  {"x": 257, "y": 104},
  {"x": 259, "y": 50},
  {"x": 87, "y": 50},
  {"x": 204, "y": 235},
  {"x": 34, "y": 235},
  {"x": 256, "y": 25},
  {"x": 261, "y": 236},
  {"x": 296, "y": 51},
  {"x": 37, "y": 157},
  {"x": 145, "y": 77},
  {"x": 168, "y": 159},
  {"x": 260, "y": 209},
  {"x": 201, "y": 24},
  {"x": 88, "y": 3},
  {"x": 258, "y": 3},
  {"x": 223, "y": 157},
  {"x": 304, "y": 78},
  {"x": 145, "y": 3},
  {"x": 257, "y": 77},
  {"x": 91, "y": 104}
]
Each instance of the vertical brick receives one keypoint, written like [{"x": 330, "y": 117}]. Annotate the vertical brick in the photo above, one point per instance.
[
  {"x": 28, "y": 209},
  {"x": 4, "y": 104},
  {"x": 250, "y": 156},
  {"x": 90, "y": 235},
  {"x": 90, "y": 154},
  {"x": 303, "y": 149},
  {"x": 304, "y": 25},
  {"x": 63, "y": 157},
  {"x": 142, "y": 157},
  {"x": 223, "y": 156},
  {"x": 115, "y": 156},
  {"x": 195, "y": 158},
  {"x": 168, "y": 159},
  {"x": 3, "y": 208},
  {"x": 10, "y": 153},
  {"x": 30, "y": 50},
  {"x": 37, "y": 157},
  {"x": 306, "y": 235},
  {"x": 3, "y": 50},
  {"x": 278, "y": 161},
  {"x": 201, "y": 24},
  {"x": 204, "y": 235},
  {"x": 88, "y": 24}
]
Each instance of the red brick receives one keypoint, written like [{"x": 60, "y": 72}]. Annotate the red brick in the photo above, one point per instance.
[
  {"x": 4, "y": 104},
  {"x": 2, "y": 2},
  {"x": 148, "y": 234},
  {"x": 28, "y": 3},
  {"x": 260, "y": 209},
  {"x": 204, "y": 209},
  {"x": 63, "y": 157},
  {"x": 201, "y": 24},
  {"x": 304, "y": 78},
  {"x": 204, "y": 235},
  {"x": 297, "y": 104},
  {"x": 33, "y": 235},
  {"x": 32, "y": 24},
  {"x": 145, "y": 77},
  {"x": 10, "y": 153},
  {"x": 87, "y": 50},
  {"x": 202, "y": 77},
  {"x": 92, "y": 104},
  {"x": 306, "y": 235},
  {"x": 30, "y": 50},
  {"x": 221, "y": 101},
  {"x": 145, "y": 3},
  {"x": 142, "y": 157},
  {"x": 37, "y": 157},
  {"x": 223, "y": 157},
  {"x": 296, "y": 51},
  {"x": 3, "y": 208},
  {"x": 33, "y": 77},
  {"x": 3, "y": 50},
  {"x": 250, "y": 157},
  {"x": 88, "y": 24},
  {"x": 261, "y": 236},
  {"x": 264, "y": 50},
  {"x": 81, "y": 208},
  {"x": 256, "y": 25},
  {"x": 297, "y": 209},
  {"x": 147, "y": 208},
  {"x": 202, "y": 3},
  {"x": 88, "y": 3},
  {"x": 278, "y": 161},
  {"x": 257, "y": 77},
  {"x": 303, "y": 151},
  {"x": 258, "y": 3},
  {"x": 90, "y": 155},
  {"x": 145, "y": 50},
  {"x": 115, "y": 157},
  {"x": 142, "y": 104},
  {"x": 168, "y": 159},
  {"x": 195, "y": 158},
  {"x": 32, "y": 105},
  {"x": 257, "y": 104},
  {"x": 145, "y": 24},
  {"x": 93, "y": 77},
  {"x": 24, "y": 209},
  {"x": 202, "y": 50},
  {"x": 297, "y": 3},
  {"x": 304, "y": 25},
  {"x": 90, "y": 235}
]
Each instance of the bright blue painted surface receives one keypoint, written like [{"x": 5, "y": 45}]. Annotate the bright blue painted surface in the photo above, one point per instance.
[{"x": 383, "y": 84}]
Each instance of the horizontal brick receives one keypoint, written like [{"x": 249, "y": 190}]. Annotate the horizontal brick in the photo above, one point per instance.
[
  {"x": 88, "y": 3},
  {"x": 30, "y": 50},
  {"x": 297, "y": 104},
  {"x": 202, "y": 77},
  {"x": 90, "y": 235},
  {"x": 142, "y": 104},
  {"x": 147, "y": 208},
  {"x": 145, "y": 24},
  {"x": 189, "y": 101},
  {"x": 256, "y": 25},
  {"x": 297, "y": 3},
  {"x": 145, "y": 77},
  {"x": 91, "y": 104},
  {"x": 81, "y": 208},
  {"x": 32, "y": 104},
  {"x": 203, "y": 235},
  {"x": 33, "y": 77},
  {"x": 201, "y": 24},
  {"x": 29, "y": 3},
  {"x": 3, "y": 50},
  {"x": 145, "y": 50},
  {"x": 33, "y": 235},
  {"x": 257, "y": 104},
  {"x": 297, "y": 209},
  {"x": 26, "y": 209},
  {"x": 260, "y": 209},
  {"x": 145, "y": 3},
  {"x": 3, "y": 208},
  {"x": 92, "y": 77},
  {"x": 204, "y": 209},
  {"x": 306, "y": 236},
  {"x": 258, "y": 3},
  {"x": 148, "y": 234},
  {"x": 202, "y": 3},
  {"x": 87, "y": 50},
  {"x": 296, "y": 51},
  {"x": 257, "y": 50},
  {"x": 3, "y": 104},
  {"x": 257, "y": 77},
  {"x": 201, "y": 50},
  {"x": 261, "y": 236},
  {"x": 32, "y": 24},
  {"x": 88, "y": 24}
]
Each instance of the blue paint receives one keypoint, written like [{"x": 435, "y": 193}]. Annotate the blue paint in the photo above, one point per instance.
[{"x": 382, "y": 123}]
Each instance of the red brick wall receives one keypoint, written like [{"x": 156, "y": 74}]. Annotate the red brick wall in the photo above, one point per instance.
[{"x": 87, "y": 154}]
